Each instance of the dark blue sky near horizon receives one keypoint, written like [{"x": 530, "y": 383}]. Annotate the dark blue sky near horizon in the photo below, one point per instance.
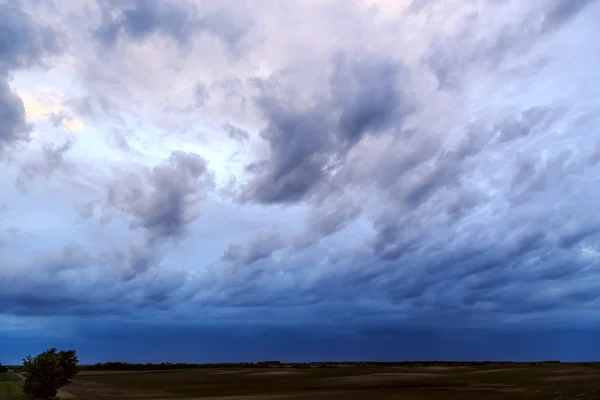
[
  {"x": 228, "y": 180},
  {"x": 143, "y": 344}
]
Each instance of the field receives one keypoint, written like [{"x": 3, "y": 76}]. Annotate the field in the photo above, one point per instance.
[
  {"x": 10, "y": 386},
  {"x": 88, "y": 373},
  {"x": 512, "y": 381}
]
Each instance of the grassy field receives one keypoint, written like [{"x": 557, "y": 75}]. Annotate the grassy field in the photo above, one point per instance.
[
  {"x": 558, "y": 382},
  {"x": 10, "y": 386}
]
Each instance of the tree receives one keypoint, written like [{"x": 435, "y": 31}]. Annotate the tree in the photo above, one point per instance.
[
  {"x": 49, "y": 371},
  {"x": 3, "y": 368}
]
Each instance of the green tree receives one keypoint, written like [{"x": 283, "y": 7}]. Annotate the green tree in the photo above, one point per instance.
[
  {"x": 49, "y": 371},
  {"x": 3, "y": 368}
]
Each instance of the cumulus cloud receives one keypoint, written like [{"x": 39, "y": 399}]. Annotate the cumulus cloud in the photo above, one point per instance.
[
  {"x": 362, "y": 96},
  {"x": 163, "y": 201}
]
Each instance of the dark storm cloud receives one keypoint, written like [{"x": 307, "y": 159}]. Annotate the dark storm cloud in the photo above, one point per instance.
[
  {"x": 138, "y": 19},
  {"x": 458, "y": 276},
  {"x": 163, "y": 201},
  {"x": 452, "y": 56},
  {"x": 410, "y": 279},
  {"x": 50, "y": 288},
  {"x": 44, "y": 291},
  {"x": 363, "y": 92},
  {"x": 23, "y": 43}
]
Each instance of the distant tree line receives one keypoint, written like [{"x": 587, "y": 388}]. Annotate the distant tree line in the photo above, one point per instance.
[
  {"x": 3, "y": 368},
  {"x": 124, "y": 366}
]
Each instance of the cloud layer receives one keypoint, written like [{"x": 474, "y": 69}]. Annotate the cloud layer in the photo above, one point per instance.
[{"x": 422, "y": 165}]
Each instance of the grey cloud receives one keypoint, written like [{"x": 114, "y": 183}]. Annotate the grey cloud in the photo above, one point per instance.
[
  {"x": 451, "y": 57},
  {"x": 132, "y": 261},
  {"x": 445, "y": 172},
  {"x": 365, "y": 90},
  {"x": 415, "y": 181},
  {"x": 531, "y": 176},
  {"x": 327, "y": 218},
  {"x": 333, "y": 217},
  {"x": 201, "y": 95},
  {"x": 306, "y": 144},
  {"x": 22, "y": 44},
  {"x": 561, "y": 11},
  {"x": 58, "y": 119},
  {"x": 163, "y": 201},
  {"x": 576, "y": 231},
  {"x": 13, "y": 127},
  {"x": 38, "y": 293},
  {"x": 235, "y": 133},
  {"x": 418, "y": 168},
  {"x": 470, "y": 272},
  {"x": 298, "y": 141},
  {"x": 395, "y": 237},
  {"x": 457, "y": 280},
  {"x": 58, "y": 283},
  {"x": 420, "y": 173},
  {"x": 69, "y": 257},
  {"x": 433, "y": 257},
  {"x": 49, "y": 264},
  {"x": 52, "y": 159},
  {"x": 460, "y": 202},
  {"x": 423, "y": 179},
  {"x": 535, "y": 120},
  {"x": 181, "y": 21},
  {"x": 260, "y": 245},
  {"x": 526, "y": 241}
]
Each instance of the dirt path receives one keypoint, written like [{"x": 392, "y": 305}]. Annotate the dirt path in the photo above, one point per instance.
[{"x": 60, "y": 392}]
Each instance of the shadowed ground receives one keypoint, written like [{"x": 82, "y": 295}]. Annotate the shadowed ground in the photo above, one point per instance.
[
  {"x": 562, "y": 381},
  {"x": 10, "y": 385}
]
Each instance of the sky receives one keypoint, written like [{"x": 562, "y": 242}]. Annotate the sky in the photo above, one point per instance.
[{"x": 235, "y": 180}]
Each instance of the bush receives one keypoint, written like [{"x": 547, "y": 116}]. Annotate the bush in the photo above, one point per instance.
[
  {"x": 49, "y": 371},
  {"x": 3, "y": 368}
]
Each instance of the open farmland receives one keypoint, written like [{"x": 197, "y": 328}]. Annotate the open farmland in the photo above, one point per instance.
[
  {"x": 110, "y": 372},
  {"x": 10, "y": 386},
  {"x": 562, "y": 381}
]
